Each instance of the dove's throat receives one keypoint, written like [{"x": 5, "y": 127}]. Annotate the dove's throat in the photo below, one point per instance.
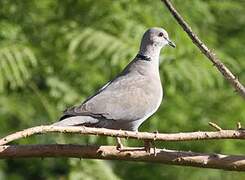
[{"x": 151, "y": 51}]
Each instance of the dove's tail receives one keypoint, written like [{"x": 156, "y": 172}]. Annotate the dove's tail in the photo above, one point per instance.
[{"x": 78, "y": 121}]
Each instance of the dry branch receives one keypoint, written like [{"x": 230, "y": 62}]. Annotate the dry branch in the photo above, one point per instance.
[
  {"x": 233, "y": 80},
  {"x": 222, "y": 134},
  {"x": 204, "y": 160}
]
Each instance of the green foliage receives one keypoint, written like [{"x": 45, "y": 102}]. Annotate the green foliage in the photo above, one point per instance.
[
  {"x": 54, "y": 54},
  {"x": 16, "y": 61},
  {"x": 92, "y": 169}
]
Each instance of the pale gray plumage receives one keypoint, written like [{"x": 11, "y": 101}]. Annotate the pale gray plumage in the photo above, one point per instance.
[{"x": 130, "y": 98}]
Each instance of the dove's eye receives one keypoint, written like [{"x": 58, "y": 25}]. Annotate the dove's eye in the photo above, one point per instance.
[{"x": 160, "y": 34}]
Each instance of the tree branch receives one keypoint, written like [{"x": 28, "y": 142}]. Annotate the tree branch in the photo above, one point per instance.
[
  {"x": 221, "y": 134},
  {"x": 232, "y": 79},
  {"x": 204, "y": 160}
]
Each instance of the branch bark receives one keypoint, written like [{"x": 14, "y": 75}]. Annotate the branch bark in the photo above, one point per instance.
[
  {"x": 229, "y": 76},
  {"x": 221, "y": 134},
  {"x": 181, "y": 158}
]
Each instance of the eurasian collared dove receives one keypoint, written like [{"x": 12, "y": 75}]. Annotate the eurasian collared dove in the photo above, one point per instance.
[{"x": 131, "y": 97}]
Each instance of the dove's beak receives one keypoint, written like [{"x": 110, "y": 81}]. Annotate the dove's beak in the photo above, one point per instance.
[{"x": 170, "y": 43}]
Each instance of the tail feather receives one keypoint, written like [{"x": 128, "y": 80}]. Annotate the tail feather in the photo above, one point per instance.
[{"x": 76, "y": 121}]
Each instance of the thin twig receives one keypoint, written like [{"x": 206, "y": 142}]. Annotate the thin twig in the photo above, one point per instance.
[
  {"x": 222, "y": 134},
  {"x": 181, "y": 158},
  {"x": 215, "y": 126},
  {"x": 239, "y": 125},
  {"x": 232, "y": 79}
]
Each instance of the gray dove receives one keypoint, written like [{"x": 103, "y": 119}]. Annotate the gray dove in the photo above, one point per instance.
[{"x": 131, "y": 97}]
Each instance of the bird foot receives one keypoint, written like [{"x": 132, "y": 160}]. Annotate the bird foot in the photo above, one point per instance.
[
  {"x": 148, "y": 144},
  {"x": 119, "y": 143}
]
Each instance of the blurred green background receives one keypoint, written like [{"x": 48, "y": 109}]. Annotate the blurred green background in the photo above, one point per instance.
[{"x": 54, "y": 54}]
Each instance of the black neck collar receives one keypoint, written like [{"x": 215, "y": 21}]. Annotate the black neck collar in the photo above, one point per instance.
[{"x": 142, "y": 57}]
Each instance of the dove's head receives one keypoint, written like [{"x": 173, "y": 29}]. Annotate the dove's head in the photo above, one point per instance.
[{"x": 157, "y": 37}]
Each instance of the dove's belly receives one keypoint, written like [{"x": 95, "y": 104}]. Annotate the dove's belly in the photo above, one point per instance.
[
  {"x": 150, "y": 112},
  {"x": 152, "y": 102}
]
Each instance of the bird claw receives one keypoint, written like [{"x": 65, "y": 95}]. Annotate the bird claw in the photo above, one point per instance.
[
  {"x": 148, "y": 145},
  {"x": 119, "y": 144}
]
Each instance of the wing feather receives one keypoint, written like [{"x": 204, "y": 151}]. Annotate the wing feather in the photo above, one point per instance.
[{"x": 119, "y": 100}]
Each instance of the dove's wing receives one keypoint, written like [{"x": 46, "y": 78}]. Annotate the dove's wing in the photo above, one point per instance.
[{"x": 120, "y": 99}]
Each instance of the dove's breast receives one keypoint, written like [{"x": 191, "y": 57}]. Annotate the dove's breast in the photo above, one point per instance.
[
  {"x": 153, "y": 96},
  {"x": 151, "y": 91}
]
